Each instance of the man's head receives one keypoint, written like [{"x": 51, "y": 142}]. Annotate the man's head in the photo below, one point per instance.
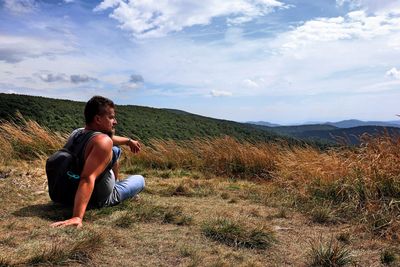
[{"x": 100, "y": 114}]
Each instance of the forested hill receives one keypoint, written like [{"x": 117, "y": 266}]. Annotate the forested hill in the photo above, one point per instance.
[{"x": 140, "y": 122}]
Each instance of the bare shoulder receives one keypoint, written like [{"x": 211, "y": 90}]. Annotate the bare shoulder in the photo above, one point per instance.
[{"x": 100, "y": 142}]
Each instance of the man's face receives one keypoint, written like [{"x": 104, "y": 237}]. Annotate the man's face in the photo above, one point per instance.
[{"x": 107, "y": 121}]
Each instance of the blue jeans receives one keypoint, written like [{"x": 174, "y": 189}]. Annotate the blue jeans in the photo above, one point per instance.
[{"x": 108, "y": 192}]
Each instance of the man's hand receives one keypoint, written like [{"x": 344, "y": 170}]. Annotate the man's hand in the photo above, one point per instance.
[
  {"x": 75, "y": 221},
  {"x": 134, "y": 146}
]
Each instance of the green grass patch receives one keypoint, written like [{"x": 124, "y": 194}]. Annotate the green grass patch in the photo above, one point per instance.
[
  {"x": 322, "y": 215},
  {"x": 234, "y": 234},
  {"x": 142, "y": 211},
  {"x": 148, "y": 212},
  {"x": 125, "y": 221},
  {"x": 175, "y": 215}
]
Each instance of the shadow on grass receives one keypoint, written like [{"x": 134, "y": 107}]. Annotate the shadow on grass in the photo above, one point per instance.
[{"x": 48, "y": 211}]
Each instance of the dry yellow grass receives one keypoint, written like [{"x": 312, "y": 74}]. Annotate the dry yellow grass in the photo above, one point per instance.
[
  {"x": 221, "y": 156},
  {"x": 27, "y": 140},
  {"x": 192, "y": 182}
]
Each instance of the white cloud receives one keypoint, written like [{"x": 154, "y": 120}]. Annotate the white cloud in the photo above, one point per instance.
[
  {"x": 129, "y": 86},
  {"x": 393, "y": 73},
  {"x": 373, "y": 6},
  {"x": 156, "y": 18},
  {"x": 217, "y": 93},
  {"x": 355, "y": 25},
  {"x": 14, "y": 49},
  {"x": 250, "y": 83},
  {"x": 20, "y": 6}
]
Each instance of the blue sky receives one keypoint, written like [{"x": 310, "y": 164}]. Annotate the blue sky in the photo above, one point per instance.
[{"x": 282, "y": 61}]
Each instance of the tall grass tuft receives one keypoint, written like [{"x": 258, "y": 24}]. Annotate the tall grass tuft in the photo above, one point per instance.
[
  {"x": 27, "y": 140},
  {"x": 60, "y": 254},
  {"x": 329, "y": 254}
]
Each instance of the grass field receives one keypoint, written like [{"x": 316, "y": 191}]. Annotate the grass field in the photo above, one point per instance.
[{"x": 217, "y": 202}]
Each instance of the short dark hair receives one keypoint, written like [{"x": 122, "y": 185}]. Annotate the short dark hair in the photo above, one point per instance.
[{"x": 96, "y": 106}]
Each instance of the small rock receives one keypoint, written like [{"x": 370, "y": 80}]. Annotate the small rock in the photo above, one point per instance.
[{"x": 278, "y": 228}]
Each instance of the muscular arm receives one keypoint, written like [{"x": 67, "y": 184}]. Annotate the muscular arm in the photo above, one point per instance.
[
  {"x": 133, "y": 145},
  {"x": 98, "y": 155}
]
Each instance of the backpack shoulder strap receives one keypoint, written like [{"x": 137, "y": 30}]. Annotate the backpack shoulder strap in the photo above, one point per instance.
[{"x": 78, "y": 144}]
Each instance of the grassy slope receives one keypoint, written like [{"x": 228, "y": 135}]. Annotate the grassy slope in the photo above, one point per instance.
[
  {"x": 141, "y": 122},
  {"x": 219, "y": 210}
]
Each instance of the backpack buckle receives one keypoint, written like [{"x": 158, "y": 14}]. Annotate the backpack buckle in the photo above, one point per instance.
[{"x": 73, "y": 175}]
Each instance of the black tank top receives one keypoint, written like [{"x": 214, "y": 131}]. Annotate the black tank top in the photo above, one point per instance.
[{"x": 76, "y": 138}]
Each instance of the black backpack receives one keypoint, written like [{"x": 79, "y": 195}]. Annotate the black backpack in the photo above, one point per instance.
[{"x": 63, "y": 168}]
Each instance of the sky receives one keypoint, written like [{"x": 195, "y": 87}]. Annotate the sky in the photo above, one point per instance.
[{"x": 281, "y": 61}]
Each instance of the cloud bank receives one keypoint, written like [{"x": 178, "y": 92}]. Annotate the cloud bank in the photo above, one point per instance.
[
  {"x": 355, "y": 25},
  {"x": 157, "y": 18}
]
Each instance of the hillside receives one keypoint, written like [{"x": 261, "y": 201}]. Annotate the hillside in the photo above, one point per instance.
[
  {"x": 143, "y": 123},
  {"x": 293, "y": 130}
]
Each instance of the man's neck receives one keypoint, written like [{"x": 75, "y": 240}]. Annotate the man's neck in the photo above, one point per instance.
[{"x": 89, "y": 127}]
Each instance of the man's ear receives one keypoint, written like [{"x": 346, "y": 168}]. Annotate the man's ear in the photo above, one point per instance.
[{"x": 97, "y": 119}]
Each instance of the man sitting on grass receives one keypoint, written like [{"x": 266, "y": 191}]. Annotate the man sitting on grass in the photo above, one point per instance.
[{"x": 97, "y": 181}]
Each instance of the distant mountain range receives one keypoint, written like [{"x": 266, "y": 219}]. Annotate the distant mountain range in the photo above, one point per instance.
[
  {"x": 340, "y": 124},
  {"x": 347, "y": 131},
  {"x": 263, "y": 123},
  {"x": 357, "y": 123}
]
